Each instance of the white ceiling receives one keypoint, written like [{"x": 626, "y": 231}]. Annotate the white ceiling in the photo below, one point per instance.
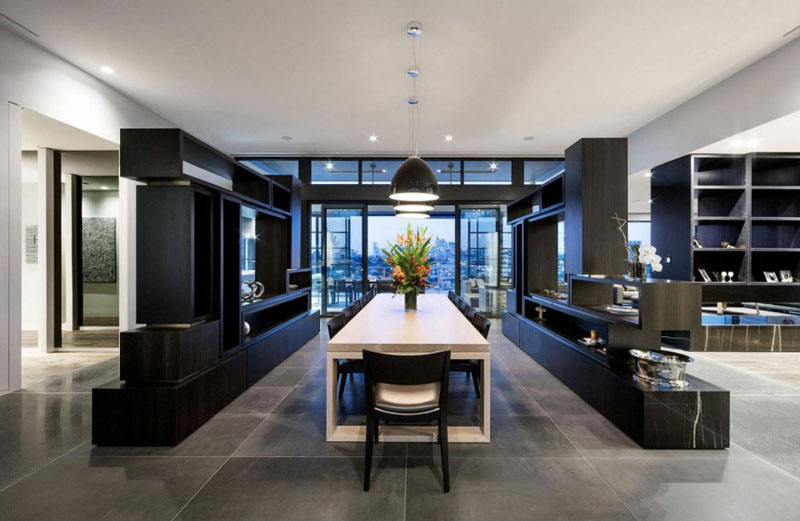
[
  {"x": 42, "y": 131},
  {"x": 241, "y": 74}
]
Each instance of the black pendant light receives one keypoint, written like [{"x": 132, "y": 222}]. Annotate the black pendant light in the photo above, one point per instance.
[
  {"x": 413, "y": 215},
  {"x": 414, "y": 181}
]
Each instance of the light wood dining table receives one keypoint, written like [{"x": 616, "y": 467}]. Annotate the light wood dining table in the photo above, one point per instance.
[{"x": 383, "y": 325}]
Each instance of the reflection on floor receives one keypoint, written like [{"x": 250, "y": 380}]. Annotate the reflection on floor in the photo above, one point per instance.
[
  {"x": 782, "y": 367},
  {"x": 264, "y": 457},
  {"x": 87, "y": 336},
  {"x": 38, "y": 366}
]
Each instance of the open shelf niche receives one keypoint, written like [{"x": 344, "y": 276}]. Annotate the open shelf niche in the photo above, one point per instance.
[{"x": 750, "y": 201}]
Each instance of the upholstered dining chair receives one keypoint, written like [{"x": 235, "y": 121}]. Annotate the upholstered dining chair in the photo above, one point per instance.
[
  {"x": 452, "y": 296},
  {"x": 406, "y": 389},
  {"x": 470, "y": 314},
  {"x": 462, "y": 304},
  {"x": 348, "y": 313},
  {"x": 357, "y": 305},
  {"x": 482, "y": 324}
]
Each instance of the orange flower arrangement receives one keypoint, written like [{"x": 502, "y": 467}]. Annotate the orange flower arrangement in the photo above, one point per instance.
[{"x": 410, "y": 261}]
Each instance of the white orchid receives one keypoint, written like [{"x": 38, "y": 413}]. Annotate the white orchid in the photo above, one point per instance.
[{"x": 648, "y": 255}]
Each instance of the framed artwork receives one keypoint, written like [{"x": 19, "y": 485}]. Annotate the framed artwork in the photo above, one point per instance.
[
  {"x": 770, "y": 276},
  {"x": 704, "y": 274},
  {"x": 786, "y": 276},
  {"x": 99, "y": 249},
  {"x": 32, "y": 244}
]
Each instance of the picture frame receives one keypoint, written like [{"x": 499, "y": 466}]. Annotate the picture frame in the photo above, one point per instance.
[
  {"x": 786, "y": 276},
  {"x": 704, "y": 274},
  {"x": 770, "y": 276}
]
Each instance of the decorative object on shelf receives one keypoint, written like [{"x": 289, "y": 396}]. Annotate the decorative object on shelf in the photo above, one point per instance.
[
  {"x": 552, "y": 293},
  {"x": 593, "y": 340},
  {"x": 717, "y": 276},
  {"x": 638, "y": 256},
  {"x": 696, "y": 244},
  {"x": 293, "y": 287},
  {"x": 770, "y": 276},
  {"x": 661, "y": 368},
  {"x": 703, "y": 273},
  {"x": 730, "y": 276},
  {"x": 727, "y": 245},
  {"x": 246, "y": 326},
  {"x": 414, "y": 181},
  {"x": 254, "y": 290},
  {"x": 621, "y": 310},
  {"x": 786, "y": 276},
  {"x": 411, "y": 263}
]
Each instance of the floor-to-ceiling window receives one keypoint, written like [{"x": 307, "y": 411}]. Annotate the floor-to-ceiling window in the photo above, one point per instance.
[
  {"x": 342, "y": 267},
  {"x": 485, "y": 268},
  {"x": 383, "y": 227}
]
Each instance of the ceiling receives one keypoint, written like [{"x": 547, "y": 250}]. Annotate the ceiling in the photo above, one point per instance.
[
  {"x": 242, "y": 74},
  {"x": 42, "y": 131}
]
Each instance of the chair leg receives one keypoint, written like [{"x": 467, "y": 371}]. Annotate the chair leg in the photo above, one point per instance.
[
  {"x": 342, "y": 381},
  {"x": 443, "y": 445},
  {"x": 368, "y": 452},
  {"x": 476, "y": 380},
  {"x": 377, "y": 427}
]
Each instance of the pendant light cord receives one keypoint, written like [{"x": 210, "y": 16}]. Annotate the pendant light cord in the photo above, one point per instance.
[{"x": 413, "y": 96}]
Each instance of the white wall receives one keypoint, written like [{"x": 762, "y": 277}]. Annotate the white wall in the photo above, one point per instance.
[
  {"x": 31, "y": 301},
  {"x": 762, "y": 92},
  {"x": 33, "y": 78}
]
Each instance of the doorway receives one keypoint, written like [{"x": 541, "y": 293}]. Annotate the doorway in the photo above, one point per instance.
[{"x": 69, "y": 260}]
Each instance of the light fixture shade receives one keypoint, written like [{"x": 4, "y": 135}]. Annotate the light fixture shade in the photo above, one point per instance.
[
  {"x": 413, "y": 215},
  {"x": 414, "y": 181},
  {"x": 404, "y": 206}
]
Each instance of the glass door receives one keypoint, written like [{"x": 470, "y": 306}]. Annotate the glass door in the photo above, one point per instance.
[
  {"x": 485, "y": 257},
  {"x": 342, "y": 267}
]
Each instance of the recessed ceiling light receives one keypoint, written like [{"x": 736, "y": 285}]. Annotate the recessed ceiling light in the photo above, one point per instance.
[
  {"x": 328, "y": 166},
  {"x": 448, "y": 138},
  {"x": 286, "y": 138},
  {"x": 529, "y": 138},
  {"x": 104, "y": 187},
  {"x": 373, "y": 138},
  {"x": 492, "y": 166},
  {"x": 105, "y": 69}
]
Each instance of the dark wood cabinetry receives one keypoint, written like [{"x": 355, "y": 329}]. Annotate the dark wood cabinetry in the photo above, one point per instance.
[
  {"x": 202, "y": 345},
  {"x": 735, "y": 214}
]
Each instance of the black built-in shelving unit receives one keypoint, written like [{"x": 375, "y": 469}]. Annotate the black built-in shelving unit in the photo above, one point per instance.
[
  {"x": 547, "y": 317},
  {"x": 202, "y": 344},
  {"x": 751, "y": 201}
]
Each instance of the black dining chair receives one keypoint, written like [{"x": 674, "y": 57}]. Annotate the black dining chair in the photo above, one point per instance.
[
  {"x": 470, "y": 314},
  {"x": 406, "y": 389},
  {"x": 452, "y": 296},
  {"x": 482, "y": 324},
  {"x": 357, "y": 305},
  {"x": 462, "y": 305},
  {"x": 344, "y": 367},
  {"x": 348, "y": 313}
]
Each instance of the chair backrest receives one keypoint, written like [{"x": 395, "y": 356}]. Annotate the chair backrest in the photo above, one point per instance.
[
  {"x": 452, "y": 296},
  {"x": 348, "y": 313},
  {"x": 357, "y": 305},
  {"x": 482, "y": 324},
  {"x": 462, "y": 305},
  {"x": 420, "y": 369},
  {"x": 335, "y": 325},
  {"x": 470, "y": 314}
]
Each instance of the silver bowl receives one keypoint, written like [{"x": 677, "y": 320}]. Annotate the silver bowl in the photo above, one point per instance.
[{"x": 663, "y": 368}]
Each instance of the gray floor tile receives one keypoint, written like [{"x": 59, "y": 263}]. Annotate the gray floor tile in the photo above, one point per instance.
[
  {"x": 563, "y": 403},
  {"x": 304, "y": 489},
  {"x": 738, "y": 381},
  {"x": 257, "y": 400},
  {"x": 282, "y": 376},
  {"x": 37, "y": 428},
  {"x": 524, "y": 436},
  {"x": 510, "y": 489},
  {"x": 768, "y": 426},
  {"x": 304, "y": 435},
  {"x": 78, "y": 381},
  {"x": 79, "y": 489},
  {"x": 220, "y": 436},
  {"x": 737, "y": 489}
]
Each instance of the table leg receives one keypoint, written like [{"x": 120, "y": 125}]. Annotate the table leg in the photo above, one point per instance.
[
  {"x": 331, "y": 396},
  {"x": 486, "y": 394}
]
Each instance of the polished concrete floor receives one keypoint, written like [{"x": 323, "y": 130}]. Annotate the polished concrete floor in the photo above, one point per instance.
[
  {"x": 38, "y": 366},
  {"x": 84, "y": 338},
  {"x": 264, "y": 457}
]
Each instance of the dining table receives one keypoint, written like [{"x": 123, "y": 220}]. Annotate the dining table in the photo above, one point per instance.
[{"x": 384, "y": 325}]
